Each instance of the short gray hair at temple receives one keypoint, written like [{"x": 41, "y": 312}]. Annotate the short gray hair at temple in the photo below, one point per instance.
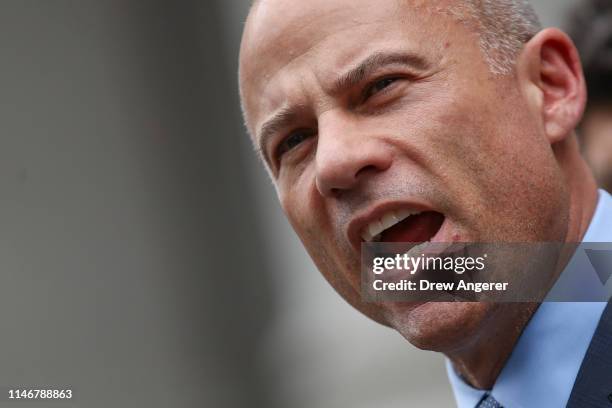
[{"x": 504, "y": 26}]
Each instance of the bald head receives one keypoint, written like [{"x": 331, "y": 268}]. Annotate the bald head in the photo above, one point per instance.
[{"x": 503, "y": 25}]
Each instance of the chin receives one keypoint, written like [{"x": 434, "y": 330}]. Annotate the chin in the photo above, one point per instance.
[{"x": 440, "y": 326}]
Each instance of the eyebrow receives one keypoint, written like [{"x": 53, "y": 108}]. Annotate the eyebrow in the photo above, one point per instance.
[
  {"x": 375, "y": 61},
  {"x": 281, "y": 119},
  {"x": 288, "y": 115}
]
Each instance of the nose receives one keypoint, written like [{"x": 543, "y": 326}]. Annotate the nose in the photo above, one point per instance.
[{"x": 347, "y": 152}]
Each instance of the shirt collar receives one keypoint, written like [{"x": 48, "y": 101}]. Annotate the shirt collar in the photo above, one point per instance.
[{"x": 542, "y": 373}]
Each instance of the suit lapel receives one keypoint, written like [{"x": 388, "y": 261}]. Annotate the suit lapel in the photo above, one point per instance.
[{"x": 593, "y": 385}]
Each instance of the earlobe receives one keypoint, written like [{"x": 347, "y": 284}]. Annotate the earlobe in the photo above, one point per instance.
[{"x": 551, "y": 67}]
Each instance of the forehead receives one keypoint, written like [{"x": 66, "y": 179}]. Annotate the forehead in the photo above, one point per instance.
[{"x": 290, "y": 43}]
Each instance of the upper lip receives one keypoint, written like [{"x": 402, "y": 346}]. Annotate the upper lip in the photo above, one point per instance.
[{"x": 362, "y": 220}]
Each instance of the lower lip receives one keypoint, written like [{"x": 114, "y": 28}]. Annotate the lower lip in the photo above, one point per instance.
[{"x": 443, "y": 235}]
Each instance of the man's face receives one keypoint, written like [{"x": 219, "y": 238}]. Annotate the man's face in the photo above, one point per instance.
[{"x": 365, "y": 111}]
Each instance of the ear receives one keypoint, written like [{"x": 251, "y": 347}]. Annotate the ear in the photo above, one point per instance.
[{"x": 550, "y": 68}]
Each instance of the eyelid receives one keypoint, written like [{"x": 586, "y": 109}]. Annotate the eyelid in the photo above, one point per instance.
[
  {"x": 276, "y": 150},
  {"x": 370, "y": 85},
  {"x": 275, "y": 143}
]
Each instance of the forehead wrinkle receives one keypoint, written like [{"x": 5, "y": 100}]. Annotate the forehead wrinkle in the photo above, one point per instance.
[
  {"x": 267, "y": 77},
  {"x": 293, "y": 57},
  {"x": 277, "y": 25},
  {"x": 257, "y": 47}
]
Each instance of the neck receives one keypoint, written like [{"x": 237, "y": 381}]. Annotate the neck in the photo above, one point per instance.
[
  {"x": 481, "y": 362},
  {"x": 583, "y": 192}
]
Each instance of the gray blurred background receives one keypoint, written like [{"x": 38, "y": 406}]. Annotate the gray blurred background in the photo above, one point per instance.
[{"x": 145, "y": 260}]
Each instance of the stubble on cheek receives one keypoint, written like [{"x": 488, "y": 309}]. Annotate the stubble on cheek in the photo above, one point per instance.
[
  {"x": 341, "y": 268},
  {"x": 332, "y": 255},
  {"x": 323, "y": 239},
  {"x": 495, "y": 171}
]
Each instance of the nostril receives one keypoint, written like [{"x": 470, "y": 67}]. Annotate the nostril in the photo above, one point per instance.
[
  {"x": 338, "y": 191},
  {"x": 340, "y": 168},
  {"x": 365, "y": 170}
]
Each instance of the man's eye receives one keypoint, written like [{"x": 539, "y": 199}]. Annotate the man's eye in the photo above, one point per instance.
[
  {"x": 293, "y": 140},
  {"x": 379, "y": 86}
]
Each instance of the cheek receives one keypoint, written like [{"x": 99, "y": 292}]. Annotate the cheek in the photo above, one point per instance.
[
  {"x": 307, "y": 216},
  {"x": 296, "y": 199},
  {"x": 511, "y": 172},
  {"x": 332, "y": 255},
  {"x": 317, "y": 229}
]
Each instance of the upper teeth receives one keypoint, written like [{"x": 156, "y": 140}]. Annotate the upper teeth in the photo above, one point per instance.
[{"x": 374, "y": 229}]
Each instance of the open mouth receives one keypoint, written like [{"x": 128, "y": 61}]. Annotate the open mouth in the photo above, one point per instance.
[{"x": 404, "y": 226}]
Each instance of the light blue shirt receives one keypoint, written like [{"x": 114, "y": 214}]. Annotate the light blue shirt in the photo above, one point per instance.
[{"x": 543, "y": 366}]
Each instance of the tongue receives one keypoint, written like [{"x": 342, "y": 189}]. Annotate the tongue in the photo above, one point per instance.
[{"x": 416, "y": 228}]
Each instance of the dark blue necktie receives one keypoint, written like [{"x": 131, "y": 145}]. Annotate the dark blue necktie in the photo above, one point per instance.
[{"x": 488, "y": 401}]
